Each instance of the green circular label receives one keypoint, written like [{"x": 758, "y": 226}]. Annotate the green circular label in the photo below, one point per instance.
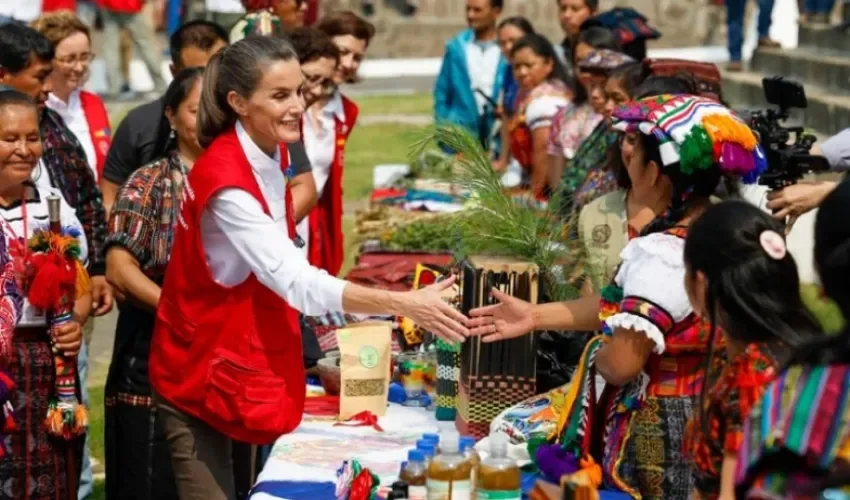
[{"x": 368, "y": 356}]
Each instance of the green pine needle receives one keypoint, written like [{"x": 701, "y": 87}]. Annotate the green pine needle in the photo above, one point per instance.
[{"x": 494, "y": 223}]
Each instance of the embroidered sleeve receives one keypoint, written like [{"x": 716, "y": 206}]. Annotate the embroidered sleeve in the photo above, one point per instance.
[
  {"x": 71, "y": 174},
  {"x": 651, "y": 277},
  {"x": 540, "y": 111},
  {"x": 131, "y": 221}
]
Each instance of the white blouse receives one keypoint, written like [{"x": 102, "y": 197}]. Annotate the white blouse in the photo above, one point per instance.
[
  {"x": 240, "y": 239},
  {"x": 37, "y": 218},
  {"x": 653, "y": 269},
  {"x": 75, "y": 118}
]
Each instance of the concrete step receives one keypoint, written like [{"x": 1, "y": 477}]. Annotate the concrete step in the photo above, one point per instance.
[
  {"x": 828, "y": 113},
  {"x": 824, "y": 37},
  {"x": 828, "y": 69}
]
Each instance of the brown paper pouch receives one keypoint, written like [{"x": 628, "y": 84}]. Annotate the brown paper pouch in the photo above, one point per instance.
[{"x": 365, "y": 354}]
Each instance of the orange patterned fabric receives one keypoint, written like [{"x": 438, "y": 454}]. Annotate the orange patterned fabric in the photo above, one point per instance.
[{"x": 728, "y": 403}]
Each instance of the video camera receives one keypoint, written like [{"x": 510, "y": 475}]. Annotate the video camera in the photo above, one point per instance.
[{"x": 787, "y": 162}]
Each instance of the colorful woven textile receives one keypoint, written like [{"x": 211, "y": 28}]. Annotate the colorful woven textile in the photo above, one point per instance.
[
  {"x": 627, "y": 24},
  {"x": 695, "y": 133},
  {"x": 448, "y": 373},
  {"x": 805, "y": 414},
  {"x": 727, "y": 405},
  {"x": 706, "y": 75}
]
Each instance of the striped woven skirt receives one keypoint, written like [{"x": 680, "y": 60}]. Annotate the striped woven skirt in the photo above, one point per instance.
[{"x": 39, "y": 466}]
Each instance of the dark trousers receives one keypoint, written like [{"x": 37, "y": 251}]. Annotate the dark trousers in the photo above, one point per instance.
[
  {"x": 735, "y": 22},
  {"x": 819, "y": 6}
]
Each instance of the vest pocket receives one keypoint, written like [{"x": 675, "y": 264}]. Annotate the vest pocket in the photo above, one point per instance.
[
  {"x": 182, "y": 330},
  {"x": 247, "y": 398}
]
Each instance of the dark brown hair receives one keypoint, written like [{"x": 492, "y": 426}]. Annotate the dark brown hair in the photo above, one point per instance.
[
  {"x": 237, "y": 68},
  {"x": 312, "y": 44},
  {"x": 347, "y": 22}
]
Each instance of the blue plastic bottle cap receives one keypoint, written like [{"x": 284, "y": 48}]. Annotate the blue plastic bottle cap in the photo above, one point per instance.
[
  {"x": 428, "y": 449},
  {"x": 415, "y": 456},
  {"x": 467, "y": 442},
  {"x": 431, "y": 437}
]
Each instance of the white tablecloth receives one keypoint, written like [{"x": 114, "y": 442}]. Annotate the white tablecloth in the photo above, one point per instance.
[{"x": 317, "y": 449}]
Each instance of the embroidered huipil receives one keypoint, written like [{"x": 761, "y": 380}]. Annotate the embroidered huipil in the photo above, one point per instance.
[
  {"x": 641, "y": 425},
  {"x": 535, "y": 108},
  {"x": 727, "y": 404},
  {"x": 571, "y": 125},
  {"x": 803, "y": 416},
  {"x": 65, "y": 163}
]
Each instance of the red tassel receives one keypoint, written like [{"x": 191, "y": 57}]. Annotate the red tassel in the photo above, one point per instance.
[
  {"x": 50, "y": 281},
  {"x": 362, "y": 419}
]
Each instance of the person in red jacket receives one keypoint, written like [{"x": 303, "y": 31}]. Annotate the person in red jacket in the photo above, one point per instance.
[
  {"x": 225, "y": 361},
  {"x": 84, "y": 112},
  {"x": 327, "y": 125}
]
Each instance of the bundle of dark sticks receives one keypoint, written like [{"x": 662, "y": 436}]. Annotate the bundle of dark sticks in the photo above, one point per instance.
[{"x": 478, "y": 276}]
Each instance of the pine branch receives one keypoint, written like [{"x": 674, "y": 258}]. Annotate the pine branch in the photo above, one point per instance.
[{"x": 494, "y": 223}]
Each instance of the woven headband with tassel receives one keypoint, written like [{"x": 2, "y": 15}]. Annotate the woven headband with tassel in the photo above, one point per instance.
[{"x": 695, "y": 133}]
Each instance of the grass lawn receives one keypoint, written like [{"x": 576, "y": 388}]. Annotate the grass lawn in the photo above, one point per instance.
[{"x": 410, "y": 104}]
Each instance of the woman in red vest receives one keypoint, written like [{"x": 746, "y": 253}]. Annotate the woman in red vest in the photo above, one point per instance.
[
  {"x": 226, "y": 358},
  {"x": 82, "y": 111},
  {"x": 324, "y": 129}
]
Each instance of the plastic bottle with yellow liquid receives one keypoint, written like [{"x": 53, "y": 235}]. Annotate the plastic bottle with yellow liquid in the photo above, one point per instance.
[
  {"x": 467, "y": 447},
  {"x": 498, "y": 476},
  {"x": 449, "y": 473},
  {"x": 414, "y": 474}
]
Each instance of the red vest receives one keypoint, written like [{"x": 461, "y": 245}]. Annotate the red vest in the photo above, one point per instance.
[
  {"x": 124, "y": 6},
  {"x": 98, "y": 120},
  {"x": 228, "y": 356},
  {"x": 326, "y": 241}
]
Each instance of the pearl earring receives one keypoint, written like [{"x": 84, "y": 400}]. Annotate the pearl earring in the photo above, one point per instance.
[{"x": 172, "y": 135}]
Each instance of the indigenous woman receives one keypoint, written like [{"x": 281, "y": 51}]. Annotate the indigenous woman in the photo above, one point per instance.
[
  {"x": 574, "y": 123},
  {"x": 39, "y": 465},
  {"x": 511, "y": 30},
  {"x": 740, "y": 278},
  {"x": 141, "y": 231},
  {"x": 653, "y": 353},
  {"x": 227, "y": 314},
  {"x": 542, "y": 92},
  {"x": 324, "y": 129},
  {"x": 796, "y": 441},
  {"x": 609, "y": 222}
]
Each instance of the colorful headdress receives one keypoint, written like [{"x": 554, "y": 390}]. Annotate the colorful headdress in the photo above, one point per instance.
[
  {"x": 695, "y": 133},
  {"x": 604, "y": 60}
]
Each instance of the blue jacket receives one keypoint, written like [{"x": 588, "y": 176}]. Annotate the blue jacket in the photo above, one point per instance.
[{"x": 454, "y": 97}]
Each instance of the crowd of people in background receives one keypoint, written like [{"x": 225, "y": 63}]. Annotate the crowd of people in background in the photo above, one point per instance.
[{"x": 708, "y": 347}]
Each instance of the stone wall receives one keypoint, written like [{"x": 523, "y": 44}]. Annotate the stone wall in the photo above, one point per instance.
[{"x": 684, "y": 23}]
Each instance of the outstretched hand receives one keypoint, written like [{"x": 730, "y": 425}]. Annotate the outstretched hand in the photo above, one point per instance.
[
  {"x": 429, "y": 311},
  {"x": 510, "y": 318}
]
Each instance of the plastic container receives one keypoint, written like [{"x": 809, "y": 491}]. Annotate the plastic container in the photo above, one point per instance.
[
  {"x": 467, "y": 447},
  {"x": 499, "y": 476},
  {"x": 449, "y": 473},
  {"x": 414, "y": 474},
  {"x": 428, "y": 449}
]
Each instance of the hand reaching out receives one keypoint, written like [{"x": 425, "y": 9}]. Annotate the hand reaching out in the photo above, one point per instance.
[
  {"x": 508, "y": 319},
  {"x": 429, "y": 311}
]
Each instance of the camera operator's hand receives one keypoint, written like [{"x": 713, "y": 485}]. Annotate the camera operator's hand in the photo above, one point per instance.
[{"x": 797, "y": 199}]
